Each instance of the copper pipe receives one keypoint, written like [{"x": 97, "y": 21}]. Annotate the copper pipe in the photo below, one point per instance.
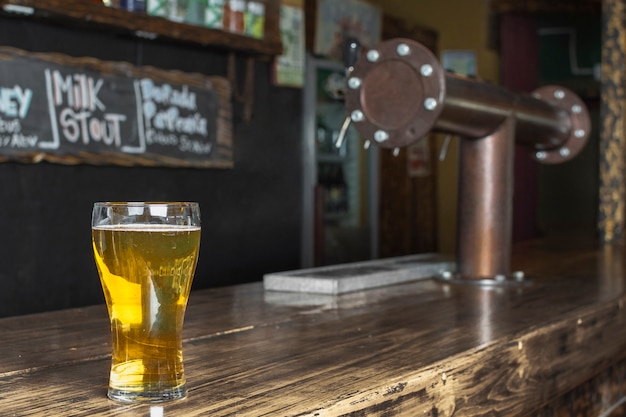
[
  {"x": 476, "y": 109},
  {"x": 486, "y": 170}
]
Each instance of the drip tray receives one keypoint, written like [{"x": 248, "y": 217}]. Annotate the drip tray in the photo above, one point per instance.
[{"x": 344, "y": 278}]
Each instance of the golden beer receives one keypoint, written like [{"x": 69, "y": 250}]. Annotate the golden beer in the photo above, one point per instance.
[{"x": 146, "y": 272}]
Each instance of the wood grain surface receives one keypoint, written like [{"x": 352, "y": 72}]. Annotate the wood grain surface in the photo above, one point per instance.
[{"x": 418, "y": 349}]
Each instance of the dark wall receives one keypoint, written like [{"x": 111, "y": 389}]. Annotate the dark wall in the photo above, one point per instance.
[{"x": 250, "y": 214}]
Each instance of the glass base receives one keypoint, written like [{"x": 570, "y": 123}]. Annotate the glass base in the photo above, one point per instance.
[{"x": 147, "y": 396}]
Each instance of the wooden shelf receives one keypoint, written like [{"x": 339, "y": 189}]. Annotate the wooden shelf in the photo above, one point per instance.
[{"x": 83, "y": 12}]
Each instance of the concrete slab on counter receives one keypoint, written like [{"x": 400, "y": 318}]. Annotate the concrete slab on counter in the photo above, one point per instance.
[{"x": 343, "y": 278}]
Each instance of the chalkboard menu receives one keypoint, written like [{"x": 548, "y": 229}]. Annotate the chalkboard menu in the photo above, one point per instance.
[{"x": 82, "y": 110}]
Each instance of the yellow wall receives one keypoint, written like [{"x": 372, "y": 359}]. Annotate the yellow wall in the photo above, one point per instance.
[{"x": 460, "y": 24}]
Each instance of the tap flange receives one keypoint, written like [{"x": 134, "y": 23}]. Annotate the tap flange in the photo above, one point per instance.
[
  {"x": 397, "y": 89},
  {"x": 579, "y": 121}
]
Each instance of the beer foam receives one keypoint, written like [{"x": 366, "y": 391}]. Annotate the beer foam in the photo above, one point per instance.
[{"x": 147, "y": 227}]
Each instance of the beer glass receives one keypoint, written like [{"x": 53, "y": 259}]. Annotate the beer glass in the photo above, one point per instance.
[{"x": 146, "y": 256}]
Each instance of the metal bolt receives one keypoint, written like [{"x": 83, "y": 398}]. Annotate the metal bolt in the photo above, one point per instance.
[
  {"x": 396, "y": 151},
  {"x": 430, "y": 104},
  {"x": 579, "y": 133},
  {"x": 541, "y": 155},
  {"x": 426, "y": 70},
  {"x": 559, "y": 94},
  {"x": 576, "y": 109},
  {"x": 403, "y": 49},
  {"x": 354, "y": 82},
  {"x": 357, "y": 116},
  {"x": 373, "y": 55},
  {"x": 381, "y": 136},
  {"x": 564, "y": 152},
  {"x": 446, "y": 274}
]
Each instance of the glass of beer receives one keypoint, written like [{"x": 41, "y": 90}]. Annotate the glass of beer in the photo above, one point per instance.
[{"x": 146, "y": 255}]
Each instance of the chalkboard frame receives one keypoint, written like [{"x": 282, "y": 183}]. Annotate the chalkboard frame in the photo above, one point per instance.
[{"x": 215, "y": 88}]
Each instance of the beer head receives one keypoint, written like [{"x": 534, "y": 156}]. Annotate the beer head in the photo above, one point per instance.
[{"x": 171, "y": 213}]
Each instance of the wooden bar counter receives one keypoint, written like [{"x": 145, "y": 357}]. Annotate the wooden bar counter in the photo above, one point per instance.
[{"x": 553, "y": 347}]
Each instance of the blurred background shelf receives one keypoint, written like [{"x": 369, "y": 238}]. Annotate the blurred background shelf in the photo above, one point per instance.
[{"x": 82, "y": 12}]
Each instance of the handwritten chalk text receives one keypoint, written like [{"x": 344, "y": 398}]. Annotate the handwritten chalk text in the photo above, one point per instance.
[{"x": 15, "y": 101}]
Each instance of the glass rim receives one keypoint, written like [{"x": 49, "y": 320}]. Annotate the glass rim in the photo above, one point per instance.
[
  {"x": 144, "y": 203},
  {"x": 177, "y": 213}
]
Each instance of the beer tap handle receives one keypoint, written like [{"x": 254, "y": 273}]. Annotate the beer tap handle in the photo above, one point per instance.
[
  {"x": 342, "y": 132},
  {"x": 351, "y": 50},
  {"x": 444, "y": 147}
]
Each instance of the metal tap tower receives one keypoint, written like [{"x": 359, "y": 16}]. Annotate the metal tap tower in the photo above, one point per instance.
[{"x": 398, "y": 92}]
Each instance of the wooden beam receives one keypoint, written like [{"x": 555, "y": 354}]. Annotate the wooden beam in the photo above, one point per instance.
[{"x": 612, "y": 138}]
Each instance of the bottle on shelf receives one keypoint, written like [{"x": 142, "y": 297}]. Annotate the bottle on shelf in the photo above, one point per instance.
[
  {"x": 342, "y": 190},
  {"x": 330, "y": 177},
  {"x": 255, "y": 19},
  {"x": 246, "y": 17},
  {"x": 214, "y": 14},
  {"x": 234, "y": 16},
  {"x": 177, "y": 10},
  {"x": 158, "y": 8},
  {"x": 133, "y": 5},
  {"x": 195, "y": 12},
  {"x": 334, "y": 189},
  {"x": 323, "y": 179},
  {"x": 174, "y": 10},
  {"x": 110, "y": 3}
]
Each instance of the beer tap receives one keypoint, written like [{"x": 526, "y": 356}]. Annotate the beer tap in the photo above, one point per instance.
[{"x": 398, "y": 92}]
